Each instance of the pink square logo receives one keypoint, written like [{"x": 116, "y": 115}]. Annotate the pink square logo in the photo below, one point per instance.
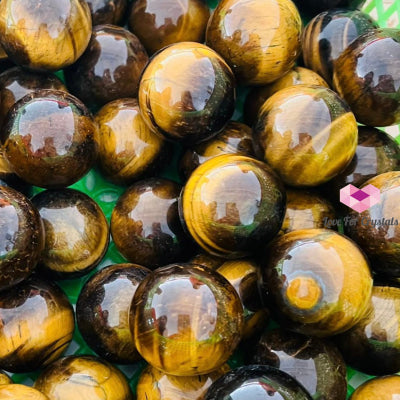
[{"x": 360, "y": 199}]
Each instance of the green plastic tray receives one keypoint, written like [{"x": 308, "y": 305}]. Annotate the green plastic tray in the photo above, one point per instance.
[{"x": 387, "y": 13}]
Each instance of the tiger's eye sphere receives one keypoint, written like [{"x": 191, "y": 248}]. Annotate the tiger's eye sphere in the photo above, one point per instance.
[
  {"x": 207, "y": 260},
  {"x": 20, "y": 392},
  {"x": 242, "y": 275},
  {"x": 315, "y": 363},
  {"x": 76, "y": 232},
  {"x": 145, "y": 224},
  {"x": 156, "y": 385},
  {"x": 4, "y": 378},
  {"x": 127, "y": 148},
  {"x": 257, "y": 382},
  {"x": 372, "y": 346},
  {"x": 367, "y": 76},
  {"x": 37, "y": 325},
  {"x": 306, "y": 210},
  {"x": 49, "y": 139},
  {"x": 232, "y": 205},
  {"x": 317, "y": 281},
  {"x": 307, "y": 134},
  {"x": 159, "y": 23},
  {"x": 47, "y": 35},
  {"x": 109, "y": 69},
  {"x": 107, "y": 11},
  {"x": 83, "y": 378},
  {"x": 259, "y": 39},
  {"x": 384, "y": 388},
  {"x": 102, "y": 311},
  {"x": 377, "y": 230},
  {"x": 376, "y": 153},
  {"x": 21, "y": 237},
  {"x": 187, "y": 320},
  {"x": 187, "y": 93},
  {"x": 235, "y": 138},
  {"x": 328, "y": 34},
  {"x": 17, "y": 82},
  {"x": 258, "y": 95}
]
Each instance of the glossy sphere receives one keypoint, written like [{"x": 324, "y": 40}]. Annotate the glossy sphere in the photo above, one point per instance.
[
  {"x": 233, "y": 204},
  {"x": 102, "y": 311},
  {"x": 367, "y": 76},
  {"x": 107, "y": 11},
  {"x": 21, "y": 237},
  {"x": 306, "y": 210},
  {"x": 20, "y": 392},
  {"x": 38, "y": 323},
  {"x": 16, "y": 82},
  {"x": 372, "y": 346},
  {"x": 376, "y": 153},
  {"x": 328, "y": 34},
  {"x": 127, "y": 148},
  {"x": 258, "y": 95},
  {"x": 4, "y": 378},
  {"x": 315, "y": 363},
  {"x": 385, "y": 388},
  {"x": 235, "y": 138},
  {"x": 187, "y": 320},
  {"x": 377, "y": 230},
  {"x": 49, "y": 139},
  {"x": 159, "y": 23},
  {"x": 83, "y": 378},
  {"x": 259, "y": 39},
  {"x": 257, "y": 382},
  {"x": 110, "y": 68},
  {"x": 156, "y": 385},
  {"x": 187, "y": 93},
  {"x": 318, "y": 281},
  {"x": 46, "y": 35},
  {"x": 307, "y": 134},
  {"x": 145, "y": 224},
  {"x": 76, "y": 232},
  {"x": 242, "y": 275}
]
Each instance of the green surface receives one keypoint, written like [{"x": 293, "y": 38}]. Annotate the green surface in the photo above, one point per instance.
[{"x": 387, "y": 13}]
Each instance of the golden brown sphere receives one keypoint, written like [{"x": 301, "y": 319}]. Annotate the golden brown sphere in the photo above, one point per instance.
[
  {"x": 385, "y": 388},
  {"x": 307, "y": 134},
  {"x": 159, "y": 23},
  {"x": 83, "y": 378},
  {"x": 187, "y": 93},
  {"x": 128, "y": 149},
  {"x": 4, "y": 378},
  {"x": 259, "y": 39},
  {"x": 46, "y": 35},
  {"x": 20, "y": 392}
]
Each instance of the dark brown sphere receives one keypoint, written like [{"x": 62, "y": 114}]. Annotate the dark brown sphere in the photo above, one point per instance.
[
  {"x": 37, "y": 325},
  {"x": 107, "y": 11},
  {"x": 235, "y": 138},
  {"x": 128, "y": 149},
  {"x": 187, "y": 93},
  {"x": 377, "y": 229},
  {"x": 159, "y": 23},
  {"x": 207, "y": 260},
  {"x": 372, "y": 346},
  {"x": 367, "y": 76},
  {"x": 83, "y": 378},
  {"x": 17, "y": 82},
  {"x": 76, "y": 233},
  {"x": 315, "y": 363},
  {"x": 21, "y": 237},
  {"x": 109, "y": 69},
  {"x": 145, "y": 224},
  {"x": 49, "y": 139},
  {"x": 5, "y": 62},
  {"x": 328, "y": 34},
  {"x": 102, "y": 312},
  {"x": 46, "y": 35}
]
